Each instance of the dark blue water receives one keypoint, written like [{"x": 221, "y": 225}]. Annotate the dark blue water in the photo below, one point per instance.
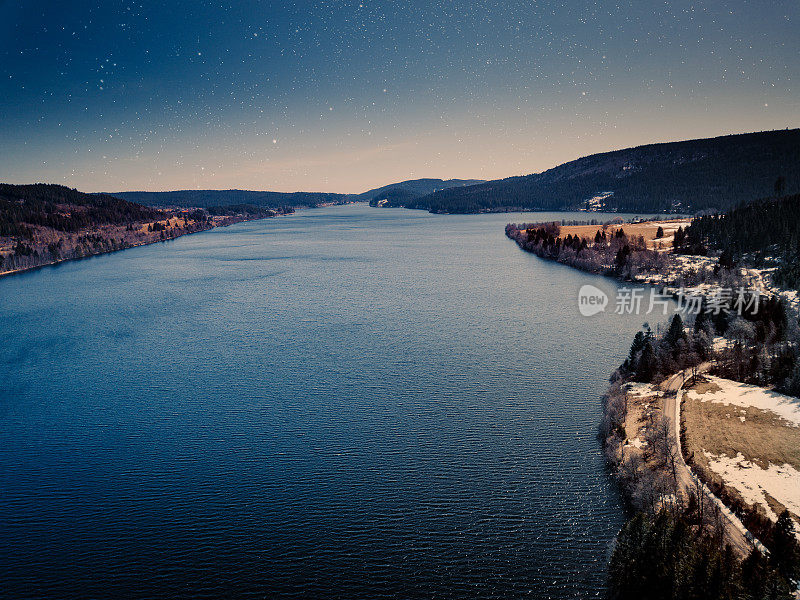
[{"x": 344, "y": 403}]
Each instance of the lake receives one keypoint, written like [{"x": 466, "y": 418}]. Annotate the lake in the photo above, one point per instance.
[{"x": 344, "y": 403}]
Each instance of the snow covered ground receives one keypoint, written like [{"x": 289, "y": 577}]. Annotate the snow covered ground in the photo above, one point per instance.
[
  {"x": 641, "y": 389},
  {"x": 754, "y": 478},
  {"x": 741, "y": 394},
  {"x": 752, "y": 482},
  {"x": 719, "y": 343},
  {"x": 695, "y": 262},
  {"x": 791, "y": 297}
]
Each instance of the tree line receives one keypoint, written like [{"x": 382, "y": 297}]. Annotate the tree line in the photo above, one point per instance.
[
  {"x": 249, "y": 210},
  {"x": 609, "y": 253},
  {"x": 761, "y": 233},
  {"x": 668, "y": 556},
  {"x": 45, "y": 223},
  {"x": 220, "y": 198},
  {"x": 63, "y": 209}
]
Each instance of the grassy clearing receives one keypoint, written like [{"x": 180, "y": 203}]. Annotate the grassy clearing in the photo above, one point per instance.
[
  {"x": 647, "y": 230},
  {"x": 761, "y": 436},
  {"x": 704, "y": 386}
]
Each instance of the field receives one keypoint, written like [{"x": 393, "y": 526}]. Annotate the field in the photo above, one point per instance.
[
  {"x": 748, "y": 438},
  {"x": 647, "y": 230}
]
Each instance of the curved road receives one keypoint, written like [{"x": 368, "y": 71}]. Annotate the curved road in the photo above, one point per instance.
[{"x": 736, "y": 534}]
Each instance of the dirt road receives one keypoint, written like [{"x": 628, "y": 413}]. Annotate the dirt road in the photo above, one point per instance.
[{"x": 736, "y": 534}]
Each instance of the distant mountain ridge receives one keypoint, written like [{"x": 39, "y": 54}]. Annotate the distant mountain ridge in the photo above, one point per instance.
[
  {"x": 216, "y": 198},
  {"x": 682, "y": 176},
  {"x": 412, "y": 188},
  {"x": 687, "y": 176}
]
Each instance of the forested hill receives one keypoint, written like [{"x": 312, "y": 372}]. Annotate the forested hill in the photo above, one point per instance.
[
  {"x": 42, "y": 224},
  {"x": 757, "y": 233},
  {"x": 408, "y": 190},
  {"x": 211, "y": 198},
  {"x": 771, "y": 226},
  {"x": 23, "y": 207},
  {"x": 673, "y": 177}
]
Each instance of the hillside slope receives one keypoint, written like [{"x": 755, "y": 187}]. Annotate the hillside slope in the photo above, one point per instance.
[
  {"x": 409, "y": 190},
  {"x": 672, "y": 177},
  {"x": 208, "y": 198},
  {"x": 764, "y": 233},
  {"x": 42, "y": 224},
  {"x": 397, "y": 194}
]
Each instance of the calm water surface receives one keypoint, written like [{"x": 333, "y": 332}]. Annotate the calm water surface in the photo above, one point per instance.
[{"x": 344, "y": 403}]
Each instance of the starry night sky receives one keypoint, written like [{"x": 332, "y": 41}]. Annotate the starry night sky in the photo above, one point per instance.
[{"x": 343, "y": 96}]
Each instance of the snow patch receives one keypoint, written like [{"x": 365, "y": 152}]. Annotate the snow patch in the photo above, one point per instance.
[
  {"x": 640, "y": 389},
  {"x": 720, "y": 343},
  {"x": 752, "y": 482},
  {"x": 742, "y": 394}
]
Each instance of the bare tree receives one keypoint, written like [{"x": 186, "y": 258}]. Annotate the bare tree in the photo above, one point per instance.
[
  {"x": 631, "y": 469},
  {"x": 700, "y": 495},
  {"x": 660, "y": 437},
  {"x": 652, "y": 490}
]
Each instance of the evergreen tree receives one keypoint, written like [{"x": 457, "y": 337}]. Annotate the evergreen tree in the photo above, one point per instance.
[
  {"x": 780, "y": 186},
  {"x": 726, "y": 259},
  {"x": 785, "y": 548},
  {"x": 675, "y": 333},
  {"x": 636, "y": 348},
  {"x": 648, "y": 363},
  {"x": 703, "y": 318},
  {"x": 623, "y": 254},
  {"x": 663, "y": 557},
  {"x": 679, "y": 238}
]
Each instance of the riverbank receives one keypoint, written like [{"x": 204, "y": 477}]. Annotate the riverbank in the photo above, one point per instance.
[
  {"x": 652, "y": 446},
  {"x": 727, "y": 482},
  {"x": 637, "y": 252},
  {"x": 50, "y": 247}
]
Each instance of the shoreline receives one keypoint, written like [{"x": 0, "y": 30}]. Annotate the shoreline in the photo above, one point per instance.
[
  {"x": 224, "y": 221},
  {"x": 649, "y": 442},
  {"x": 521, "y": 209}
]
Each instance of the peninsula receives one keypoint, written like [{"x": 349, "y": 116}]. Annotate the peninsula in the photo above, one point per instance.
[
  {"x": 701, "y": 421},
  {"x": 43, "y": 224}
]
